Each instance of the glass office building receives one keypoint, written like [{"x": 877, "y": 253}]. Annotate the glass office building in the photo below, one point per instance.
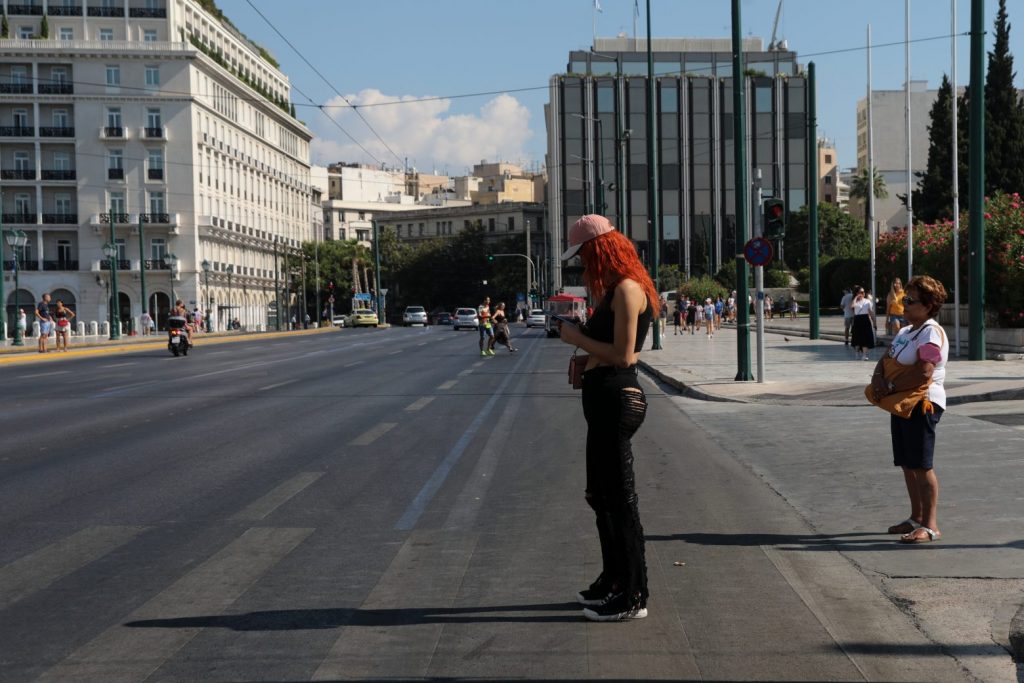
[{"x": 597, "y": 142}]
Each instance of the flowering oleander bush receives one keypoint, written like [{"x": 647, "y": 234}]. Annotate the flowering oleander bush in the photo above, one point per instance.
[{"x": 933, "y": 255}]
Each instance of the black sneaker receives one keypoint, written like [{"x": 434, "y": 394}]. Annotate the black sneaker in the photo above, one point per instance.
[
  {"x": 596, "y": 594},
  {"x": 615, "y": 607}
]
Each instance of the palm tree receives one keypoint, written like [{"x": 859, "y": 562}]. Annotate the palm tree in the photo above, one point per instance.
[{"x": 860, "y": 182}]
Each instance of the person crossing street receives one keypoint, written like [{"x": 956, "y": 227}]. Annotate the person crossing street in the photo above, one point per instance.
[{"x": 483, "y": 313}]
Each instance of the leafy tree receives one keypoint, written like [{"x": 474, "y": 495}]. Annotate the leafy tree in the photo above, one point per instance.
[
  {"x": 44, "y": 28},
  {"x": 934, "y": 198},
  {"x": 5, "y": 28},
  {"x": 703, "y": 287},
  {"x": 669, "y": 278},
  {"x": 839, "y": 235},
  {"x": 1004, "y": 116}
]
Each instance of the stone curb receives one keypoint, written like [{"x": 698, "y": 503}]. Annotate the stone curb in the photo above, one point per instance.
[
  {"x": 1017, "y": 636},
  {"x": 683, "y": 388}
]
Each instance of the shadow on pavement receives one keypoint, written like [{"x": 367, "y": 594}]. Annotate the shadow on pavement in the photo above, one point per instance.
[
  {"x": 846, "y": 542},
  {"x": 306, "y": 619}
]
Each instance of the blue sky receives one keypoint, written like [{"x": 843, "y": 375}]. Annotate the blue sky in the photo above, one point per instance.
[{"x": 382, "y": 51}]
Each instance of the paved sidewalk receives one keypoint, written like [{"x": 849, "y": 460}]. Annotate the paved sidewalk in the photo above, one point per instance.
[{"x": 798, "y": 370}]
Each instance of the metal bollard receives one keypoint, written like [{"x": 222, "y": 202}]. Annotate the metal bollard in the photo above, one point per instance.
[
  {"x": 105, "y": 328},
  {"x": 93, "y": 328},
  {"x": 80, "y": 329}
]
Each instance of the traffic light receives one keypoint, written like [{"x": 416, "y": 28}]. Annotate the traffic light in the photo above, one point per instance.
[
  {"x": 490, "y": 257},
  {"x": 774, "y": 219}
]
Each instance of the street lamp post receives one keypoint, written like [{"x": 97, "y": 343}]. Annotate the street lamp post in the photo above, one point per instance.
[
  {"x": 110, "y": 249},
  {"x": 277, "y": 290},
  {"x": 16, "y": 240},
  {"x": 209, "y": 301},
  {"x": 142, "y": 263},
  {"x": 3, "y": 296},
  {"x": 231, "y": 271},
  {"x": 171, "y": 261}
]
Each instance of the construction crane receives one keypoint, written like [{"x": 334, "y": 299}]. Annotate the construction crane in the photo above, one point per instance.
[{"x": 774, "y": 44}]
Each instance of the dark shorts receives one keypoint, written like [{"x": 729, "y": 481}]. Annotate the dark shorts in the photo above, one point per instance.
[
  {"x": 913, "y": 440},
  {"x": 485, "y": 330}
]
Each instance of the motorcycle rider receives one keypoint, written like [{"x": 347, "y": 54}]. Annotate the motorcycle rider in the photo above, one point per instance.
[{"x": 180, "y": 311}]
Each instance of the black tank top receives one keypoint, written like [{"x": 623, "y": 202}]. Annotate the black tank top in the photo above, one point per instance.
[{"x": 601, "y": 325}]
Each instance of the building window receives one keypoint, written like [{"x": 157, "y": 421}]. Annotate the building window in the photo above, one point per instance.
[
  {"x": 116, "y": 202},
  {"x": 22, "y": 204},
  {"x": 25, "y": 32},
  {"x": 64, "y": 253},
  {"x": 156, "y": 203},
  {"x": 152, "y": 75},
  {"x": 21, "y": 161},
  {"x": 828, "y": 180},
  {"x": 61, "y": 161},
  {"x": 362, "y": 215},
  {"x": 20, "y": 117},
  {"x": 67, "y": 33},
  {"x": 62, "y": 203},
  {"x": 490, "y": 225},
  {"x": 114, "y": 117},
  {"x": 511, "y": 224},
  {"x": 828, "y": 198},
  {"x": 157, "y": 249},
  {"x": 420, "y": 232},
  {"x": 156, "y": 165},
  {"x": 113, "y": 76},
  {"x": 60, "y": 118},
  {"x": 149, "y": 36},
  {"x": 828, "y": 158},
  {"x": 106, "y": 34}
]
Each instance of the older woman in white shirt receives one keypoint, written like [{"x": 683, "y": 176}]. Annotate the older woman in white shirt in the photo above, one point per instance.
[
  {"x": 924, "y": 345},
  {"x": 863, "y": 335}
]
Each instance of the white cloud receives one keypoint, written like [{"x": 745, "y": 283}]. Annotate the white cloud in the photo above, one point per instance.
[{"x": 425, "y": 132}]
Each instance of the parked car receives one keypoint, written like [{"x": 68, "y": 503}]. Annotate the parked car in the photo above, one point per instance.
[
  {"x": 536, "y": 318},
  {"x": 443, "y": 318},
  {"x": 339, "y": 320},
  {"x": 414, "y": 315},
  {"x": 465, "y": 317},
  {"x": 363, "y": 317}
]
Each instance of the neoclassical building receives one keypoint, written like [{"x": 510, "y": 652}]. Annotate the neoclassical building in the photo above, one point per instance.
[{"x": 162, "y": 120}]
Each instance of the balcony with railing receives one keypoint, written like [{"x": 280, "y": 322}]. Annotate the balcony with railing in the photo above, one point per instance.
[
  {"x": 56, "y": 88},
  {"x": 115, "y": 174},
  {"x": 56, "y": 131},
  {"x": 25, "y": 9},
  {"x": 60, "y": 264},
  {"x": 118, "y": 218},
  {"x": 20, "y": 218},
  {"x": 155, "y": 174},
  {"x": 16, "y": 88},
  {"x": 60, "y": 218},
  {"x": 18, "y": 174},
  {"x": 158, "y": 218},
  {"x": 122, "y": 264},
  {"x": 65, "y": 10},
  {"x": 156, "y": 264},
  {"x": 59, "y": 174},
  {"x": 106, "y": 11},
  {"x": 113, "y": 131},
  {"x": 153, "y": 133},
  {"x": 17, "y": 131},
  {"x": 148, "y": 12}
]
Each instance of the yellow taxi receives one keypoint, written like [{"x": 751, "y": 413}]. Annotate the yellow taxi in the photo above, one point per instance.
[{"x": 363, "y": 317}]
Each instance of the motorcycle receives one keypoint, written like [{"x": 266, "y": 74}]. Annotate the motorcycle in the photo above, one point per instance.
[{"x": 177, "y": 336}]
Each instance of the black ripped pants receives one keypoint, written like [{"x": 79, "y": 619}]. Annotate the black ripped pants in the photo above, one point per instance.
[{"x": 614, "y": 407}]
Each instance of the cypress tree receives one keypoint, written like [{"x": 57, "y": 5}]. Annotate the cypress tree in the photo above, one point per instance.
[
  {"x": 1004, "y": 116},
  {"x": 934, "y": 199}
]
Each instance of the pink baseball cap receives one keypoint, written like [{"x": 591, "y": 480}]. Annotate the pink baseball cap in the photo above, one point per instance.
[{"x": 586, "y": 228}]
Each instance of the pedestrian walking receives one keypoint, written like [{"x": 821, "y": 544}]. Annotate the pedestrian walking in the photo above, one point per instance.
[
  {"x": 22, "y": 322},
  {"x": 502, "y": 334},
  {"x": 63, "y": 317},
  {"x": 910, "y": 378},
  {"x": 794, "y": 308},
  {"x": 483, "y": 314},
  {"x": 692, "y": 322},
  {"x": 844, "y": 304},
  {"x": 677, "y": 317},
  {"x": 709, "y": 317},
  {"x": 663, "y": 315},
  {"x": 45, "y": 321},
  {"x": 144, "y": 322},
  {"x": 614, "y": 407},
  {"x": 894, "y": 320},
  {"x": 719, "y": 309},
  {"x": 862, "y": 335}
]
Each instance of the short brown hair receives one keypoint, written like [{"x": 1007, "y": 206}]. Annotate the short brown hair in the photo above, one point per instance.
[{"x": 931, "y": 291}]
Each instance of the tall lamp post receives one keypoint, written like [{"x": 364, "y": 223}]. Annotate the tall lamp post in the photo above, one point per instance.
[
  {"x": 209, "y": 302},
  {"x": 110, "y": 249},
  {"x": 277, "y": 290},
  {"x": 230, "y": 271},
  {"x": 171, "y": 261},
  {"x": 16, "y": 240}
]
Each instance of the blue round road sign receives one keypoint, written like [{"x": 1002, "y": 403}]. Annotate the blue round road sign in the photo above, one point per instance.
[{"x": 758, "y": 251}]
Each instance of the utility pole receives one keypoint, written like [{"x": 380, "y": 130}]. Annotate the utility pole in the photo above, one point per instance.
[
  {"x": 871, "y": 187},
  {"x": 277, "y": 289},
  {"x": 376, "y": 272},
  {"x": 654, "y": 234},
  {"x": 910, "y": 172},
  {"x": 739, "y": 122},
  {"x": 142, "y": 266},
  {"x": 955, "y": 151},
  {"x": 812, "y": 200},
  {"x": 976, "y": 164}
]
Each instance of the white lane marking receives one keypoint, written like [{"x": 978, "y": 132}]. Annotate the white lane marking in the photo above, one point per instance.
[
  {"x": 118, "y": 365},
  {"x": 46, "y": 565},
  {"x": 449, "y": 384},
  {"x": 145, "y": 639},
  {"x": 279, "y": 384},
  {"x": 395, "y": 353},
  {"x": 478, "y": 364},
  {"x": 422, "y": 344},
  {"x": 277, "y": 497},
  {"x": 349, "y": 365},
  {"x": 419, "y": 403},
  {"x": 45, "y": 374},
  {"x": 463, "y": 373},
  {"x": 373, "y": 433}
]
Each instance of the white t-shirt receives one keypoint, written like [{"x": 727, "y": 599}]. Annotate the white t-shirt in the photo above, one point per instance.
[
  {"x": 845, "y": 305},
  {"x": 904, "y": 350},
  {"x": 709, "y": 312},
  {"x": 862, "y": 307}
]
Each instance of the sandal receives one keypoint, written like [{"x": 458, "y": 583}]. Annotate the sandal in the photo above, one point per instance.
[
  {"x": 904, "y": 527},
  {"x": 912, "y": 537}
]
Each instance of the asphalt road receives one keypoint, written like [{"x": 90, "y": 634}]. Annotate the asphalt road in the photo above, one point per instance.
[{"x": 386, "y": 504}]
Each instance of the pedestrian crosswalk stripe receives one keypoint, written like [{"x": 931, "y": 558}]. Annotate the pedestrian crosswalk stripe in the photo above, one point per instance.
[
  {"x": 373, "y": 433},
  {"x": 419, "y": 403},
  {"x": 38, "y": 570},
  {"x": 135, "y": 648},
  {"x": 463, "y": 373},
  {"x": 280, "y": 495},
  {"x": 448, "y": 385}
]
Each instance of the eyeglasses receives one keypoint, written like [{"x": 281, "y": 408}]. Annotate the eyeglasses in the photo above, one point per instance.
[{"x": 910, "y": 300}]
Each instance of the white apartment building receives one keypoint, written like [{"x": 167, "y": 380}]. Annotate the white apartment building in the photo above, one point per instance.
[{"x": 152, "y": 126}]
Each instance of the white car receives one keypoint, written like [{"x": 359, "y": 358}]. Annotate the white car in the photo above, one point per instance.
[
  {"x": 339, "y": 320},
  {"x": 414, "y": 315},
  {"x": 465, "y": 317},
  {"x": 536, "y": 318}
]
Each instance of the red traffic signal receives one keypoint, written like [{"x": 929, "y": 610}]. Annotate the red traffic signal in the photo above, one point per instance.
[{"x": 774, "y": 214}]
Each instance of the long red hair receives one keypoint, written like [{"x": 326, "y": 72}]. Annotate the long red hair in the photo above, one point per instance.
[{"x": 611, "y": 258}]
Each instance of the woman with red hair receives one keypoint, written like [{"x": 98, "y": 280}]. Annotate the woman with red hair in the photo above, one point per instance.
[{"x": 614, "y": 406}]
